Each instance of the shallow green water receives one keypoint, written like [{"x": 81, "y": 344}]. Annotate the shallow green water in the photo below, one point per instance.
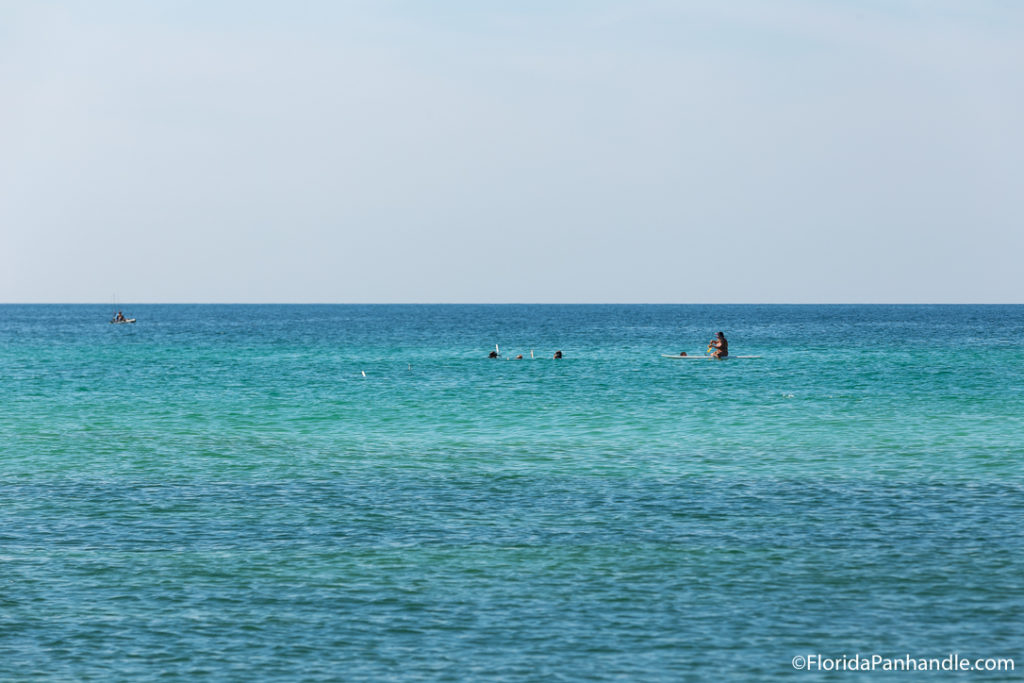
[{"x": 219, "y": 491}]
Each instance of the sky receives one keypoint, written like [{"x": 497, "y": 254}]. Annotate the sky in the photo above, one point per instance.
[{"x": 650, "y": 151}]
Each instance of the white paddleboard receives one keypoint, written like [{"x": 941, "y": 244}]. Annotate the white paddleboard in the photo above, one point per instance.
[{"x": 708, "y": 357}]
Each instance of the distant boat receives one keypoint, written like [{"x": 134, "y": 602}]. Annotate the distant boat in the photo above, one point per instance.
[{"x": 117, "y": 313}]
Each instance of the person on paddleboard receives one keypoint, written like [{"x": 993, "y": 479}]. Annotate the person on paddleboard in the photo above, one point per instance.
[{"x": 720, "y": 345}]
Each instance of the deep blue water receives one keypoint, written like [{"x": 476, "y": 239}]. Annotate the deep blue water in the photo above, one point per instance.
[{"x": 219, "y": 492}]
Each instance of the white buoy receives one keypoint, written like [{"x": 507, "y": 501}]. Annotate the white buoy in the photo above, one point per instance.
[{"x": 364, "y": 373}]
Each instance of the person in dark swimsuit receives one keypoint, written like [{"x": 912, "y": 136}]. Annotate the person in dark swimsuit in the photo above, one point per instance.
[{"x": 720, "y": 345}]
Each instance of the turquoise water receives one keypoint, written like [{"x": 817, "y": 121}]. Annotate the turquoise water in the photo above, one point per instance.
[{"x": 218, "y": 492}]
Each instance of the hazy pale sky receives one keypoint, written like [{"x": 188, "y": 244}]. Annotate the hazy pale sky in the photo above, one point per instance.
[{"x": 527, "y": 151}]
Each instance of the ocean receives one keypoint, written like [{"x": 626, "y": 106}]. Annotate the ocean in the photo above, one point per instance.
[{"x": 356, "y": 492}]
